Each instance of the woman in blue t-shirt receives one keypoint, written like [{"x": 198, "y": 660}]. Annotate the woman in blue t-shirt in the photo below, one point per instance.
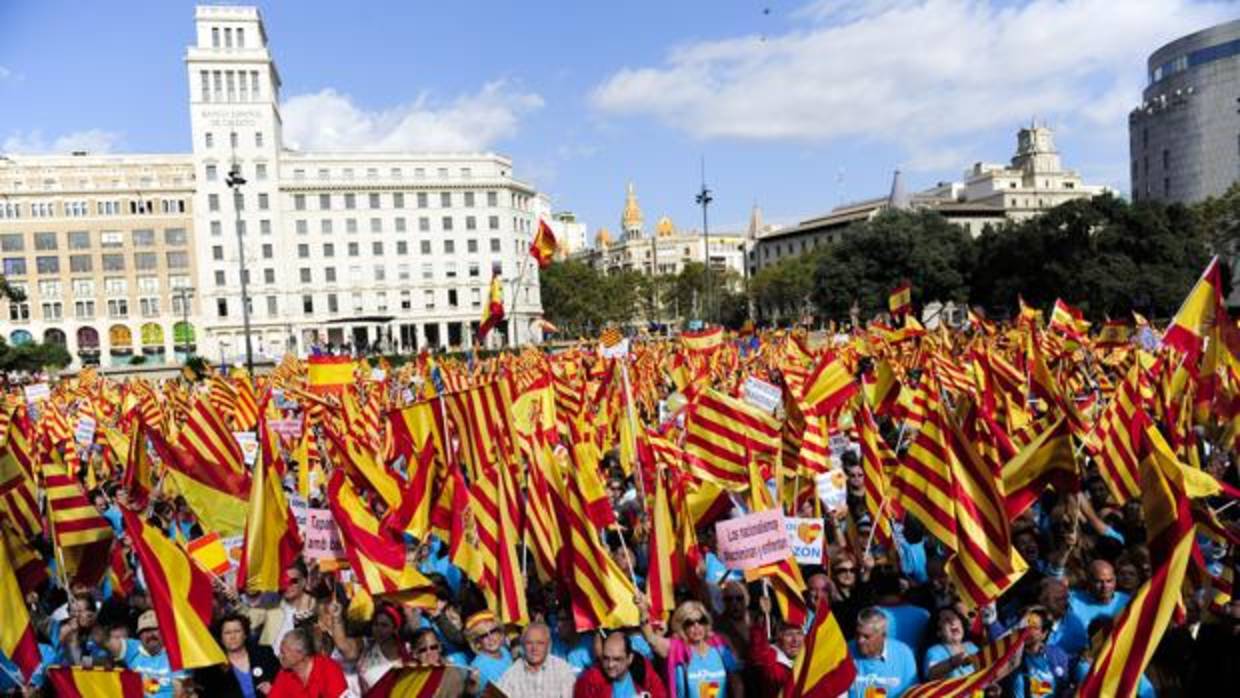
[
  {"x": 951, "y": 657},
  {"x": 699, "y": 662}
]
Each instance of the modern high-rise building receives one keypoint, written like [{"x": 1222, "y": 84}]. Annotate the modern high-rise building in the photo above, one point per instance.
[
  {"x": 1184, "y": 138},
  {"x": 368, "y": 249}
]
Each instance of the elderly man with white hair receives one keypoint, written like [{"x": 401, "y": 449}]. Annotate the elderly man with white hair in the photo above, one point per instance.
[
  {"x": 538, "y": 673},
  {"x": 885, "y": 666}
]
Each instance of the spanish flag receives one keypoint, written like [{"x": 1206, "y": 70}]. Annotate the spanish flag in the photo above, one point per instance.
[
  {"x": 76, "y": 682},
  {"x": 1200, "y": 311},
  {"x": 901, "y": 299},
  {"x": 1114, "y": 333},
  {"x": 181, "y": 596},
  {"x": 543, "y": 246},
  {"x": 272, "y": 541},
  {"x": 703, "y": 340},
  {"x": 219, "y": 497},
  {"x": 410, "y": 682},
  {"x": 17, "y": 635},
  {"x": 493, "y": 311},
  {"x": 330, "y": 374},
  {"x": 824, "y": 668}
]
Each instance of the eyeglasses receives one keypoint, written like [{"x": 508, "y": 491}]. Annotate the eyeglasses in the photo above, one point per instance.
[
  {"x": 428, "y": 648},
  {"x": 489, "y": 633},
  {"x": 690, "y": 622}
]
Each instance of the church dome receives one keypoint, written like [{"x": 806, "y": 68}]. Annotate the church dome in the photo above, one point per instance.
[
  {"x": 632, "y": 217},
  {"x": 664, "y": 228},
  {"x": 602, "y": 238}
]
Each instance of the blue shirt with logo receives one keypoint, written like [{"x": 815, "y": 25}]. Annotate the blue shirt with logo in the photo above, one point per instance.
[
  {"x": 889, "y": 674},
  {"x": 706, "y": 676},
  {"x": 941, "y": 653}
]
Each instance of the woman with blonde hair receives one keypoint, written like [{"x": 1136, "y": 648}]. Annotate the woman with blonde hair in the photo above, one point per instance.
[{"x": 699, "y": 662}]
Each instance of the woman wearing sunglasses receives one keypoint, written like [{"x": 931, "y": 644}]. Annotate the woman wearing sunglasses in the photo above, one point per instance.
[
  {"x": 428, "y": 652},
  {"x": 699, "y": 662}
]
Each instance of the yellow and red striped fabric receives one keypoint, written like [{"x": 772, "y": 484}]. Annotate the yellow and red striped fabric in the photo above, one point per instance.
[
  {"x": 900, "y": 300},
  {"x": 181, "y": 596},
  {"x": 990, "y": 660},
  {"x": 703, "y": 340},
  {"x": 1201, "y": 310},
  {"x": 543, "y": 246},
  {"x": 493, "y": 310},
  {"x": 210, "y": 554},
  {"x": 601, "y": 593},
  {"x": 417, "y": 435},
  {"x": 81, "y": 534},
  {"x": 409, "y": 682},
  {"x": 660, "y": 578},
  {"x": 272, "y": 541},
  {"x": 1112, "y": 446},
  {"x": 877, "y": 460},
  {"x": 828, "y": 388},
  {"x": 923, "y": 483},
  {"x": 77, "y": 682},
  {"x": 329, "y": 374},
  {"x": 17, "y": 634},
  {"x": 218, "y": 496},
  {"x": 18, "y": 501},
  {"x": 824, "y": 668},
  {"x": 1047, "y": 460},
  {"x": 723, "y": 437},
  {"x": 208, "y": 440}
]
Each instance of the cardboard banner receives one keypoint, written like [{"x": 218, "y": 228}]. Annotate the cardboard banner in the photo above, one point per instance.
[
  {"x": 319, "y": 534},
  {"x": 752, "y": 540},
  {"x": 806, "y": 538},
  {"x": 763, "y": 395}
]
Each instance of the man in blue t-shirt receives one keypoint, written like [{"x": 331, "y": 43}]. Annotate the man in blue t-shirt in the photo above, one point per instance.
[
  {"x": 1083, "y": 606},
  {"x": 148, "y": 657},
  {"x": 885, "y": 666}
]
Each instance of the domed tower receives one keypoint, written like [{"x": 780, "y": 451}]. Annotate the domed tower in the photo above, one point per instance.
[
  {"x": 602, "y": 239},
  {"x": 664, "y": 228},
  {"x": 631, "y": 219}
]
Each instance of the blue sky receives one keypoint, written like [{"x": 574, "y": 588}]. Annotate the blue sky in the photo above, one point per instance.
[{"x": 793, "y": 105}]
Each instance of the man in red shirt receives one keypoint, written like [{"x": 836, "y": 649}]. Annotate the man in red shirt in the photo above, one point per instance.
[{"x": 306, "y": 674}]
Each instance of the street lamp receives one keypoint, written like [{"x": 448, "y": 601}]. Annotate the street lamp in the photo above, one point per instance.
[
  {"x": 703, "y": 199},
  {"x": 235, "y": 182}
]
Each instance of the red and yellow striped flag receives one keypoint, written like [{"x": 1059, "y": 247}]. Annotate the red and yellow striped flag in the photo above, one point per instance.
[
  {"x": 828, "y": 388},
  {"x": 1047, "y": 460},
  {"x": 330, "y": 374},
  {"x": 272, "y": 542},
  {"x": 376, "y": 554},
  {"x": 923, "y": 483},
  {"x": 877, "y": 460},
  {"x": 990, "y": 660},
  {"x": 417, "y": 436},
  {"x": 77, "y": 682},
  {"x": 81, "y": 534},
  {"x": 703, "y": 340},
  {"x": 217, "y": 495},
  {"x": 824, "y": 668},
  {"x": 601, "y": 593},
  {"x": 17, "y": 494},
  {"x": 139, "y": 477},
  {"x": 543, "y": 246},
  {"x": 900, "y": 301},
  {"x": 181, "y": 596},
  {"x": 493, "y": 310},
  {"x": 209, "y": 552},
  {"x": 1112, "y": 446},
  {"x": 208, "y": 440},
  {"x": 1201, "y": 310},
  {"x": 409, "y": 682},
  {"x": 660, "y": 578},
  {"x": 17, "y": 634},
  {"x": 723, "y": 437}
]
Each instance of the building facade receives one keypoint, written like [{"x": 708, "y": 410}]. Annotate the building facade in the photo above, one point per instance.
[
  {"x": 664, "y": 252},
  {"x": 1184, "y": 138},
  {"x": 103, "y": 249},
  {"x": 989, "y": 194},
  {"x": 388, "y": 250},
  {"x": 127, "y": 255}
]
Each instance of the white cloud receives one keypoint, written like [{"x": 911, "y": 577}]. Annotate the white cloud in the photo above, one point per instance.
[
  {"x": 328, "y": 120},
  {"x": 918, "y": 73},
  {"x": 5, "y": 73},
  {"x": 92, "y": 141}
]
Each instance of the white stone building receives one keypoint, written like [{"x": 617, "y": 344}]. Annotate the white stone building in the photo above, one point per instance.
[{"x": 393, "y": 249}]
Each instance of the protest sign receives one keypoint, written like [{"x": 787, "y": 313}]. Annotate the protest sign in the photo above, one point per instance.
[
  {"x": 752, "y": 540},
  {"x": 805, "y": 537},
  {"x": 84, "y": 433},
  {"x": 38, "y": 391},
  {"x": 761, "y": 394},
  {"x": 833, "y": 489},
  {"x": 248, "y": 441}
]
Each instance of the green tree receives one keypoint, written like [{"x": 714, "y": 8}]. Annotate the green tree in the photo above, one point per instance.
[
  {"x": 781, "y": 291},
  {"x": 33, "y": 356},
  {"x": 580, "y": 299}
]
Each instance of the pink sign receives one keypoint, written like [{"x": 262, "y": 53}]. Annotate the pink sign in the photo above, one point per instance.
[{"x": 752, "y": 540}]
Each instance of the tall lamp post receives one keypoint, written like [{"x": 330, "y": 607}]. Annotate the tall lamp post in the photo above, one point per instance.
[
  {"x": 703, "y": 199},
  {"x": 235, "y": 181}
]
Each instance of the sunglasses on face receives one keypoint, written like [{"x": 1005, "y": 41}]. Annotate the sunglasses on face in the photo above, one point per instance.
[
  {"x": 690, "y": 622},
  {"x": 295, "y": 580},
  {"x": 428, "y": 648}
]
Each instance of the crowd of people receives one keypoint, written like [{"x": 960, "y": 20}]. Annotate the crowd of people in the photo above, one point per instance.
[{"x": 897, "y": 607}]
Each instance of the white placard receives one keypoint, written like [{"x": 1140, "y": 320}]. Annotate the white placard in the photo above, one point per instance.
[
  {"x": 38, "y": 391},
  {"x": 248, "y": 441},
  {"x": 84, "y": 433},
  {"x": 805, "y": 537},
  {"x": 763, "y": 395},
  {"x": 833, "y": 489}
]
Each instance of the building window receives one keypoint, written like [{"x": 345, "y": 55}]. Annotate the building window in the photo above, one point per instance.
[
  {"x": 307, "y": 304},
  {"x": 148, "y": 307},
  {"x": 175, "y": 236},
  {"x": 422, "y": 199},
  {"x": 303, "y": 251},
  {"x": 80, "y": 263},
  {"x": 145, "y": 261},
  {"x": 12, "y": 242},
  {"x": 380, "y": 272},
  {"x": 84, "y": 310},
  {"x": 268, "y": 251},
  {"x": 304, "y": 274},
  {"x": 264, "y": 227},
  {"x": 493, "y": 222},
  {"x": 177, "y": 260},
  {"x": 445, "y": 199},
  {"x": 452, "y": 303},
  {"x": 221, "y": 307},
  {"x": 303, "y": 227},
  {"x": 492, "y": 199},
  {"x": 428, "y": 299},
  {"x": 398, "y": 199},
  {"x": 217, "y": 253},
  {"x": 329, "y": 250},
  {"x": 447, "y": 223},
  {"x": 325, "y": 202},
  {"x": 118, "y": 308},
  {"x": 350, "y": 225},
  {"x": 299, "y": 202},
  {"x": 217, "y": 229},
  {"x": 220, "y": 277},
  {"x": 269, "y": 276},
  {"x": 449, "y": 247},
  {"x": 402, "y": 247},
  {"x": 45, "y": 242},
  {"x": 260, "y": 172},
  {"x": 262, "y": 202},
  {"x": 333, "y": 304},
  {"x": 272, "y": 307},
  {"x": 353, "y": 249},
  {"x": 376, "y": 225},
  {"x": 47, "y": 265},
  {"x": 471, "y": 223},
  {"x": 424, "y": 224},
  {"x": 400, "y": 224},
  {"x": 376, "y": 247},
  {"x": 329, "y": 275},
  {"x": 213, "y": 202},
  {"x": 374, "y": 201},
  {"x": 325, "y": 226},
  {"x": 471, "y": 246},
  {"x": 350, "y": 201},
  {"x": 424, "y": 247},
  {"x": 495, "y": 245}
]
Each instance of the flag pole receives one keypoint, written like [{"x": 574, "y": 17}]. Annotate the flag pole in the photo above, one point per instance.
[{"x": 628, "y": 401}]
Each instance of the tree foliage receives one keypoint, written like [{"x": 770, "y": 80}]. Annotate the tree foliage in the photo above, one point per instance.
[
  {"x": 32, "y": 357},
  {"x": 580, "y": 299}
]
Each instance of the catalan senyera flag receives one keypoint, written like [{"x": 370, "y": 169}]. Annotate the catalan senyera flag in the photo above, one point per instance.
[
  {"x": 272, "y": 541},
  {"x": 17, "y": 634},
  {"x": 660, "y": 582},
  {"x": 218, "y": 496},
  {"x": 706, "y": 340},
  {"x": 17, "y": 495},
  {"x": 543, "y": 246},
  {"x": 26, "y": 561},
  {"x": 824, "y": 668},
  {"x": 900, "y": 301},
  {"x": 360, "y": 464},
  {"x": 877, "y": 460},
  {"x": 493, "y": 310},
  {"x": 1113, "y": 448},
  {"x": 1047, "y": 460},
  {"x": 989, "y": 660},
  {"x": 1201, "y": 310},
  {"x": 376, "y": 554},
  {"x": 139, "y": 477},
  {"x": 78, "y": 682},
  {"x": 181, "y": 596},
  {"x": 1166, "y": 486},
  {"x": 330, "y": 374},
  {"x": 409, "y": 682},
  {"x": 828, "y": 388},
  {"x": 882, "y": 388},
  {"x": 724, "y": 436},
  {"x": 206, "y": 438},
  {"x": 601, "y": 594},
  {"x": 417, "y": 435},
  {"x": 81, "y": 534},
  {"x": 923, "y": 484}
]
